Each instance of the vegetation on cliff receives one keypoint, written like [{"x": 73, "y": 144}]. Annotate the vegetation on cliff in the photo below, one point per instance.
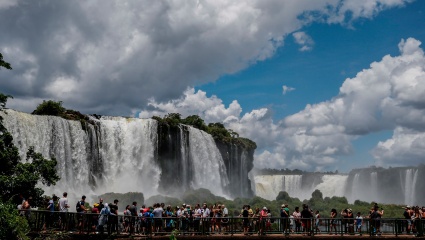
[{"x": 217, "y": 130}]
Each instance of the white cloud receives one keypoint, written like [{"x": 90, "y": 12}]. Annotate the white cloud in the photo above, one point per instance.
[
  {"x": 388, "y": 95},
  {"x": 406, "y": 147},
  {"x": 287, "y": 89},
  {"x": 304, "y": 40},
  {"x": 123, "y": 53}
]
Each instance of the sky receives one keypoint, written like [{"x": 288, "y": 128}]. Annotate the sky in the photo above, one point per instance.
[{"x": 318, "y": 85}]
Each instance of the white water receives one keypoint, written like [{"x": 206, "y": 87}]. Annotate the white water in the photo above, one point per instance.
[
  {"x": 126, "y": 149},
  {"x": 269, "y": 186},
  {"x": 208, "y": 164},
  {"x": 333, "y": 185},
  {"x": 411, "y": 176}
]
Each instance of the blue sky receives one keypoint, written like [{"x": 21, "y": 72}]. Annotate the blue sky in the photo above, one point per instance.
[
  {"x": 339, "y": 52},
  {"x": 353, "y": 70}
]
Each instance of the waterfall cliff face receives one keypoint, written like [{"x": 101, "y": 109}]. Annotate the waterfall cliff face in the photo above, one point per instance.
[
  {"x": 116, "y": 154},
  {"x": 394, "y": 185}
]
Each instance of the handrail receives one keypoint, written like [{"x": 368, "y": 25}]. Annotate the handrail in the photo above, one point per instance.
[{"x": 88, "y": 223}]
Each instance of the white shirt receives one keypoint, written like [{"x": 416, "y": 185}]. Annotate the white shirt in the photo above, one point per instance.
[
  {"x": 63, "y": 204},
  {"x": 206, "y": 213},
  {"x": 225, "y": 212}
]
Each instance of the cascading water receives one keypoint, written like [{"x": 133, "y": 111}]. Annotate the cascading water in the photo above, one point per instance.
[
  {"x": 116, "y": 154},
  {"x": 269, "y": 186},
  {"x": 411, "y": 176},
  {"x": 54, "y": 137},
  {"x": 127, "y": 151},
  {"x": 210, "y": 171}
]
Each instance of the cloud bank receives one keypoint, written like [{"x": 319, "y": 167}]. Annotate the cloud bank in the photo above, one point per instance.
[
  {"x": 112, "y": 57},
  {"x": 389, "y": 95}
]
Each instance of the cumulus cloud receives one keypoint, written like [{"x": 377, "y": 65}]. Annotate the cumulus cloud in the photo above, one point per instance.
[
  {"x": 112, "y": 57},
  {"x": 287, "y": 89},
  {"x": 304, "y": 40},
  {"x": 387, "y": 96}
]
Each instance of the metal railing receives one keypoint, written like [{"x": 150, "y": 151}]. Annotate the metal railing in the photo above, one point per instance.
[{"x": 88, "y": 223}]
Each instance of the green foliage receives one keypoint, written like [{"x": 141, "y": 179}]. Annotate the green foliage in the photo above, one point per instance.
[
  {"x": 51, "y": 108},
  {"x": 4, "y": 63},
  {"x": 317, "y": 195},
  {"x": 217, "y": 130},
  {"x": 196, "y": 122},
  {"x": 3, "y": 100},
  {"x": 12, "y": 225}
]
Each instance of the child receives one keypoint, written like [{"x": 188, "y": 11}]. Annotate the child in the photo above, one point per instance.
[{"x": 359, "y": 223}]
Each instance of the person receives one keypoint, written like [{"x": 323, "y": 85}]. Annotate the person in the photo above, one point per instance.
[
  {"x": 262, "y": 222},
  {"x": 269, "y": 221},
  {"x": 317, "y": 222},
  {"x": 359, "y": 223},
  {"x": 101, "y": 203},
  {"x": 127, "y": 218},
  {"x": 375, "y": 218},
  {"x": 113, "y": 218},
  {"x": 225, "y": 219},
  {"x": 297, "y": 218},
  {"x": 94, "y": 216},
  {"x": 350, "y": 221},
  {"x": 205, "y": 217},
  {"x": 26, "y": 207},
  {"x": 333, "y": 222},
  {"x": 284, "y": 215},
  {"x": 103, "y": 218},
  {"x": 306, "y": 217},
  {"x": 81, "y": 209},
  {"x": 133, "y": 210},
  {"x": 157, "y": 214},
  {"x": 245, "y": 215},
  {"x": 407, "y": 214},
  {"x": 50, "y": 216},
  {"x": 63, "y": 208}
]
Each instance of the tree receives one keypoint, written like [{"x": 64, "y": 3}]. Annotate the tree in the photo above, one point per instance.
[
  {"x": 51, "y": 108},
  {"x": 4, "y": 63}
]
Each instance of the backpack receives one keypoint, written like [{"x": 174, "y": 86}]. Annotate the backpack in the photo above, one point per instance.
[{"x": 78, "y": 206}]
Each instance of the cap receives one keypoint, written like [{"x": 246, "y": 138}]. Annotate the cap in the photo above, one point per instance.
[
  {"x": 407, "y": 206},
  {"x": 264, "y": 208},
  {"x": 283, "y": 205}
]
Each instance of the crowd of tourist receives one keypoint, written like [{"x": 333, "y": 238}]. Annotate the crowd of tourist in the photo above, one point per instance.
[{"x": 195, "y": 219}]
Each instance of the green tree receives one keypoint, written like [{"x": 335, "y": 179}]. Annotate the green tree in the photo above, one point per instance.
[
  {"x": 4, "y": 63},
  {"x": 51, "y": 108}
]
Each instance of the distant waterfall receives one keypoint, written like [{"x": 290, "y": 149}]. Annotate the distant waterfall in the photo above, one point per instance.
[
  {"x": 332, "y": 185},
  {"x": 269, "y": 186},
  {"x": 411, "y": 177}
]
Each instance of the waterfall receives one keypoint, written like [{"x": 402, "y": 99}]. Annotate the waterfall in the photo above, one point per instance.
[
  {"x": 208, "y": 164},
  {"x": 127, "y": 149},
  {"x": 355, "y": 188},
  {"x": 269, "y": 186},
  {"x": 116, "y": 155},
  {"x": 54, "y": 137},
  {"x": 333, "y": 185},
  {"x": 411, "y": 177},
  {"x": 374, "y": 186}
]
